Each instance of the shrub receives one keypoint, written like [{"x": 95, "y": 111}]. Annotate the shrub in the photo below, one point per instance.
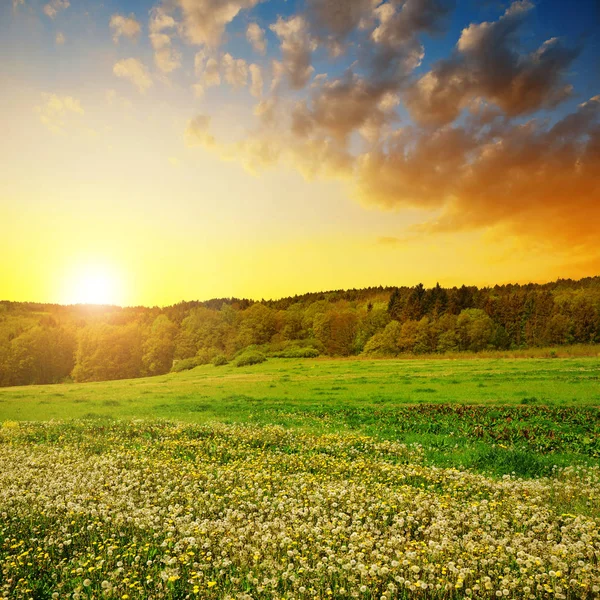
[
  {"x": 219, "y": 360},
  {"x": 250, "y": 358},
  {"x": 204, "y": 356},
  {"x": 297, "y": 352},
  {"x": 185, "y": 365}
]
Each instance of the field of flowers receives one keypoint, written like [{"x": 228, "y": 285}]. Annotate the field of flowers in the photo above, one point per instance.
[{"x": 157, "y": 510}]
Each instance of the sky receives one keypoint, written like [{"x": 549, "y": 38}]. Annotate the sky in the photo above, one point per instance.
[{"x": 159, "y": 151}]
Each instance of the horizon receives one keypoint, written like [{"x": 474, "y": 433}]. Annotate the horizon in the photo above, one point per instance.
[
  {"x": 164, "y": 150},
  {"x": 279, "y": 298}
]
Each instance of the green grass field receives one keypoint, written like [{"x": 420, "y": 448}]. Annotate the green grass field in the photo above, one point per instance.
[
  {"x": 521, "y": 415},
  {"x": 237, "y": 394},
  {"x": 306, "y": 479}
]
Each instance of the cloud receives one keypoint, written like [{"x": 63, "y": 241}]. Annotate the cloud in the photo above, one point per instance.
[
  {"x": 124, "y": 26},
  {"x": 399, "y": 23},
  {"x": 490, "y": 170},
  {"x": 535, "y": 180},
  {"x": 277, "y": 74},
  {"x": 337, "y": 19},
  {"x": 297, "y": 46},
  {"x": 198, "y": 90},
  {"x": 383, "y": 35},
  {"x": 256, "y": 85},
  {"x": 207, "y": 68},
  {"x": 160, "y": 20},
  {"x": 166, "y": 58},
  {"x": 390, "y": 241},
  {"x": 256, "y": 36},
  {"x": 315, "y": 157},
  {"x": 54, "y": 7},
  {"x": 235, "y": 70},
  {"x": 55, "y": 110},
  {"x": 342, "y": 106},
  {"x": 135, "y": 71},
  {"x": 17, "y": 3},
  {"x": 60, "y": 39},
  {"x": 197, "y": 132},
  {"x": 212, "y": 75},
  {"x": 414, "y": 169},
  {"x": 488, "y": 64},
  {"x": 531, "y": 179},
  {"x": 398, "y": 50},
  {"x": 204, "y": 21},
  {"x": 113, "y": 99}
]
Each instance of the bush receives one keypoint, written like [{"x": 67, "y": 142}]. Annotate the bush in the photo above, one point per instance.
[
  {"x": 205, "y": 356},
  {"x": 250, "y": 358},
  {"x": 219, "y": 360},
  {"x": 297, "y": 352},
  {"x": 185, "y": 365}
]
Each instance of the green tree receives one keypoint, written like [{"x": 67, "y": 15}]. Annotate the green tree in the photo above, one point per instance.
[
  {"x": 40, "y": 355},
  {"x": 426, "y": 338},
  {"x": 408, "y": 336},
  {"x": 371, "y": 322},
  {"x": 447, "y": 340},
  {"x": 475, "y": 329},
  {"x": 258, "y": 325},
  {"x": 106, "y": 352},
  {"x": 293, "y": 323},
  {"x": 159, "y": 347},
  {"x": 585, "y": 321},
  {"x": 205, "y": 328},
  {"x": 415, "y": 304},
  {"x": 558, "y": 330},
  {"x": 385, "y": 342},
  {"x": 336, "y": 330},
  {"x": 395, "y": 305}
]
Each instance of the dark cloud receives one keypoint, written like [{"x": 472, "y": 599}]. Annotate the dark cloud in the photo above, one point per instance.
[
  {"x": 394, "y": 49},
  {"x": 400, "y": 22},
  {"x": 488, "y": 64},
  {"x": 341, "y": 106},
  {"x": 337, "y": 19}
]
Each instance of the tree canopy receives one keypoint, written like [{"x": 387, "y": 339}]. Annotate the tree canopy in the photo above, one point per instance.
[{"x": 48, "y": 343}]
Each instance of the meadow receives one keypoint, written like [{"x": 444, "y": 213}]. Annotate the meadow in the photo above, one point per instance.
[{"x": 303, "y": 479}]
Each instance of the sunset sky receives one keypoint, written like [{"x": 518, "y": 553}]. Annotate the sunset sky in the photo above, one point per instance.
[{"x": 154, "y": 152}]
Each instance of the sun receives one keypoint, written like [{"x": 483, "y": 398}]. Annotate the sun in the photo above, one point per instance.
[{"x": 93, "y": 285}]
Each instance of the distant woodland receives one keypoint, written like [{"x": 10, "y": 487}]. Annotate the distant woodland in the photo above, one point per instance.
[{"x": 48, "y": 343}]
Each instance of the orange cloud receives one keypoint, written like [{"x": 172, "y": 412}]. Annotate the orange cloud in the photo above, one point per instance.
[
  {"x": 531, "y": 179},
  {"x": 535, "y": 179}
]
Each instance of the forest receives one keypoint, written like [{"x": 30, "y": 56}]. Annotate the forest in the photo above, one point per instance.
[{"x": 49, "y": 343}]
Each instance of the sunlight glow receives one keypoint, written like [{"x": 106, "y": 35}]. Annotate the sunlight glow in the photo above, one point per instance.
[{"x": 93, "y": 285}]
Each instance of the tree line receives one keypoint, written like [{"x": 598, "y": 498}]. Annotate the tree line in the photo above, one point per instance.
[{"x": 43, "y": 343}]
